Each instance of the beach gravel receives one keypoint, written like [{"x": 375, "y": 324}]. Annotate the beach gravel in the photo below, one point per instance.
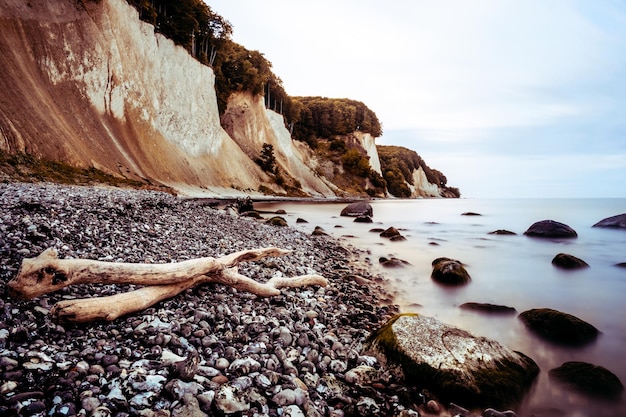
[{"x": 211, "y": 350}]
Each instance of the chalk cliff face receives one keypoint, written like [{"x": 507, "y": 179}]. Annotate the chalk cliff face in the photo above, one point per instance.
[
  {"x": 421, "y": 187},
  {"x": 92, "y": 85},
  {"x": 251, "y": 125}
]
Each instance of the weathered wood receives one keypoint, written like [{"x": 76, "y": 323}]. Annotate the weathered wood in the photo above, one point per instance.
[{"x": 46, "y": 273}]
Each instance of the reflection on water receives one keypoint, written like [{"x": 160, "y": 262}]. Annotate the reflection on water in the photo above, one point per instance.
[{"x": 508, "y": 270}]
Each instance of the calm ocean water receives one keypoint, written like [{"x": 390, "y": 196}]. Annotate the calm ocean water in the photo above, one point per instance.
[{"x": 509, "y": 270}]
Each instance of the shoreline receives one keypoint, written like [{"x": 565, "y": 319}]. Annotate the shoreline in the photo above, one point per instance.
[
  {"x": 303, "y": 342},
  {"x": 49, "y": 365}
]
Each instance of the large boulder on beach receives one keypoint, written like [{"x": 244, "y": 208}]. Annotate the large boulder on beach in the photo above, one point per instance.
[
  {"x": 449, "y": 272},
  {"x": 550, "y": 229},
  {"x": 614, "y": 222},
  {"x": 358, "y": 209},
  {"x": 567, "y": 261},
  {"x": 589, "y": 379},
  {"x": 559, "y": 327},
  {"x": 452, "y": 363}
]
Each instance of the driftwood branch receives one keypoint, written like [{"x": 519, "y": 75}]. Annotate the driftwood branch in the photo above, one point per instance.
[{"x": 46, "y": 273}]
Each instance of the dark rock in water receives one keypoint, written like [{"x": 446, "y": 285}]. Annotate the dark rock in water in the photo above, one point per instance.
[
  {"x": 566, "y": 261},
  {"x": 433, "y": 243},
  {"x": 319, "y": 231},
  {"x": 377, "y": 230},
  {"x": 589, "y": 379},
  {"x": 621, "y": 265},
  {"x": 550, "y": 229},
  {"x": 392, "y": 262},
  {"x": 488, "y": 308},
  {"x": 452, "y": 363},
  {"x": 301, "y": 220},
  {"x": 252, "y": 213},
  {"x": 449, "y": 272},
  {"x": 502, "y": 232},
  {"x": 363, "y": 219},
  {"x": 614, "y": 222},
  {"x": 280, "y": 211},
  {"x": 390, "y": 232},
  {"x": 470, "y": 213},
  {"x": 360, "y": 208},
  {"x": 398, "y": 238},
  {"x": 277, "y": 221},
  {"x": 559, "y": 327}
]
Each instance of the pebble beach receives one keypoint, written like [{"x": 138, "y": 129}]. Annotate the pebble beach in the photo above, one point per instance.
[{"x": 296, "y": 354}]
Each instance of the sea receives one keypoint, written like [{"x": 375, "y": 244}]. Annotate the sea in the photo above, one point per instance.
[{"x": 511, "y": 270}]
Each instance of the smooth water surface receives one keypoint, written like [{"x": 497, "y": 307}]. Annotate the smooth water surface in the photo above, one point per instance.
[{"x": 515, "y": 271}]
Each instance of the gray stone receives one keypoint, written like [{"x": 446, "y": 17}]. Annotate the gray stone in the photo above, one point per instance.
[
  {"x": 566, "y": 261},
  {"x": 559, "y": 327},
  {"x": 360, "y": 208},
  {"x": 614, "y": 222},
  {"x": 589, "y": 379},
  {"x": 550, "y": 229},
  {"x": 230, "y": 400},
  {"x": 449, "y": 272},
  {"x": 452, "y": 363}
]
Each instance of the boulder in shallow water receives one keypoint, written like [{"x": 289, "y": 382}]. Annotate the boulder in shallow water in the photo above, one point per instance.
[
  {"x": 559, "y": 327},
  {"x": 392, "y": 262},
  {"x": 363, "y": 219},
  {"x": 360, "y": 208},
  {"x": 452, "y": 363},
  {"x": 550, "y": 229},
  {"x": 567, "y": 261},
  {"x": 614, "y": 222},
  {"x": 390, "y": 232},
  {"x": 488, "y": 308},
  {"x": 589, "y": 379},
  {"x": 277, "y": 221},
  {"x": 449, "y": 272},
  {"x": 503, "y": 232}
]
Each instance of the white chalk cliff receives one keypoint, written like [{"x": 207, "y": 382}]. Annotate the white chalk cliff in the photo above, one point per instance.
[{"x": 89, "y": 84}]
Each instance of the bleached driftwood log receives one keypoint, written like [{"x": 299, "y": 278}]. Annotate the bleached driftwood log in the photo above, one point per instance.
[{"x": 47, "y": 273}]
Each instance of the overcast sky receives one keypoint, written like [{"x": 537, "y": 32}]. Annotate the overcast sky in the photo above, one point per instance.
[{"x": 508, "y": 98}]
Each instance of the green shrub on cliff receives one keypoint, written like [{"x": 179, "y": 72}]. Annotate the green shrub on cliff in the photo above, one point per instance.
[{"x": 398, "y": 164}]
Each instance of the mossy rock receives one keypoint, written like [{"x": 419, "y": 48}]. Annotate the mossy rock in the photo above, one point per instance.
[
  {"x": 567, "y": 261},
  {"x": 277, "y": 221},
  {"x": 558, "y": 327},
  {"x": 589, "y": 379},
  {"x": 449, "y": 272},
  {"x": 252, "y": 213},
  {"x": 452, "y": 363}
]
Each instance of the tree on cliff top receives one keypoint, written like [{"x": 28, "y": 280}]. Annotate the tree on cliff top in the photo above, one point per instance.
[
  {"x": 398, "y": 164},
  {"x": 322, "y": 117}
]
